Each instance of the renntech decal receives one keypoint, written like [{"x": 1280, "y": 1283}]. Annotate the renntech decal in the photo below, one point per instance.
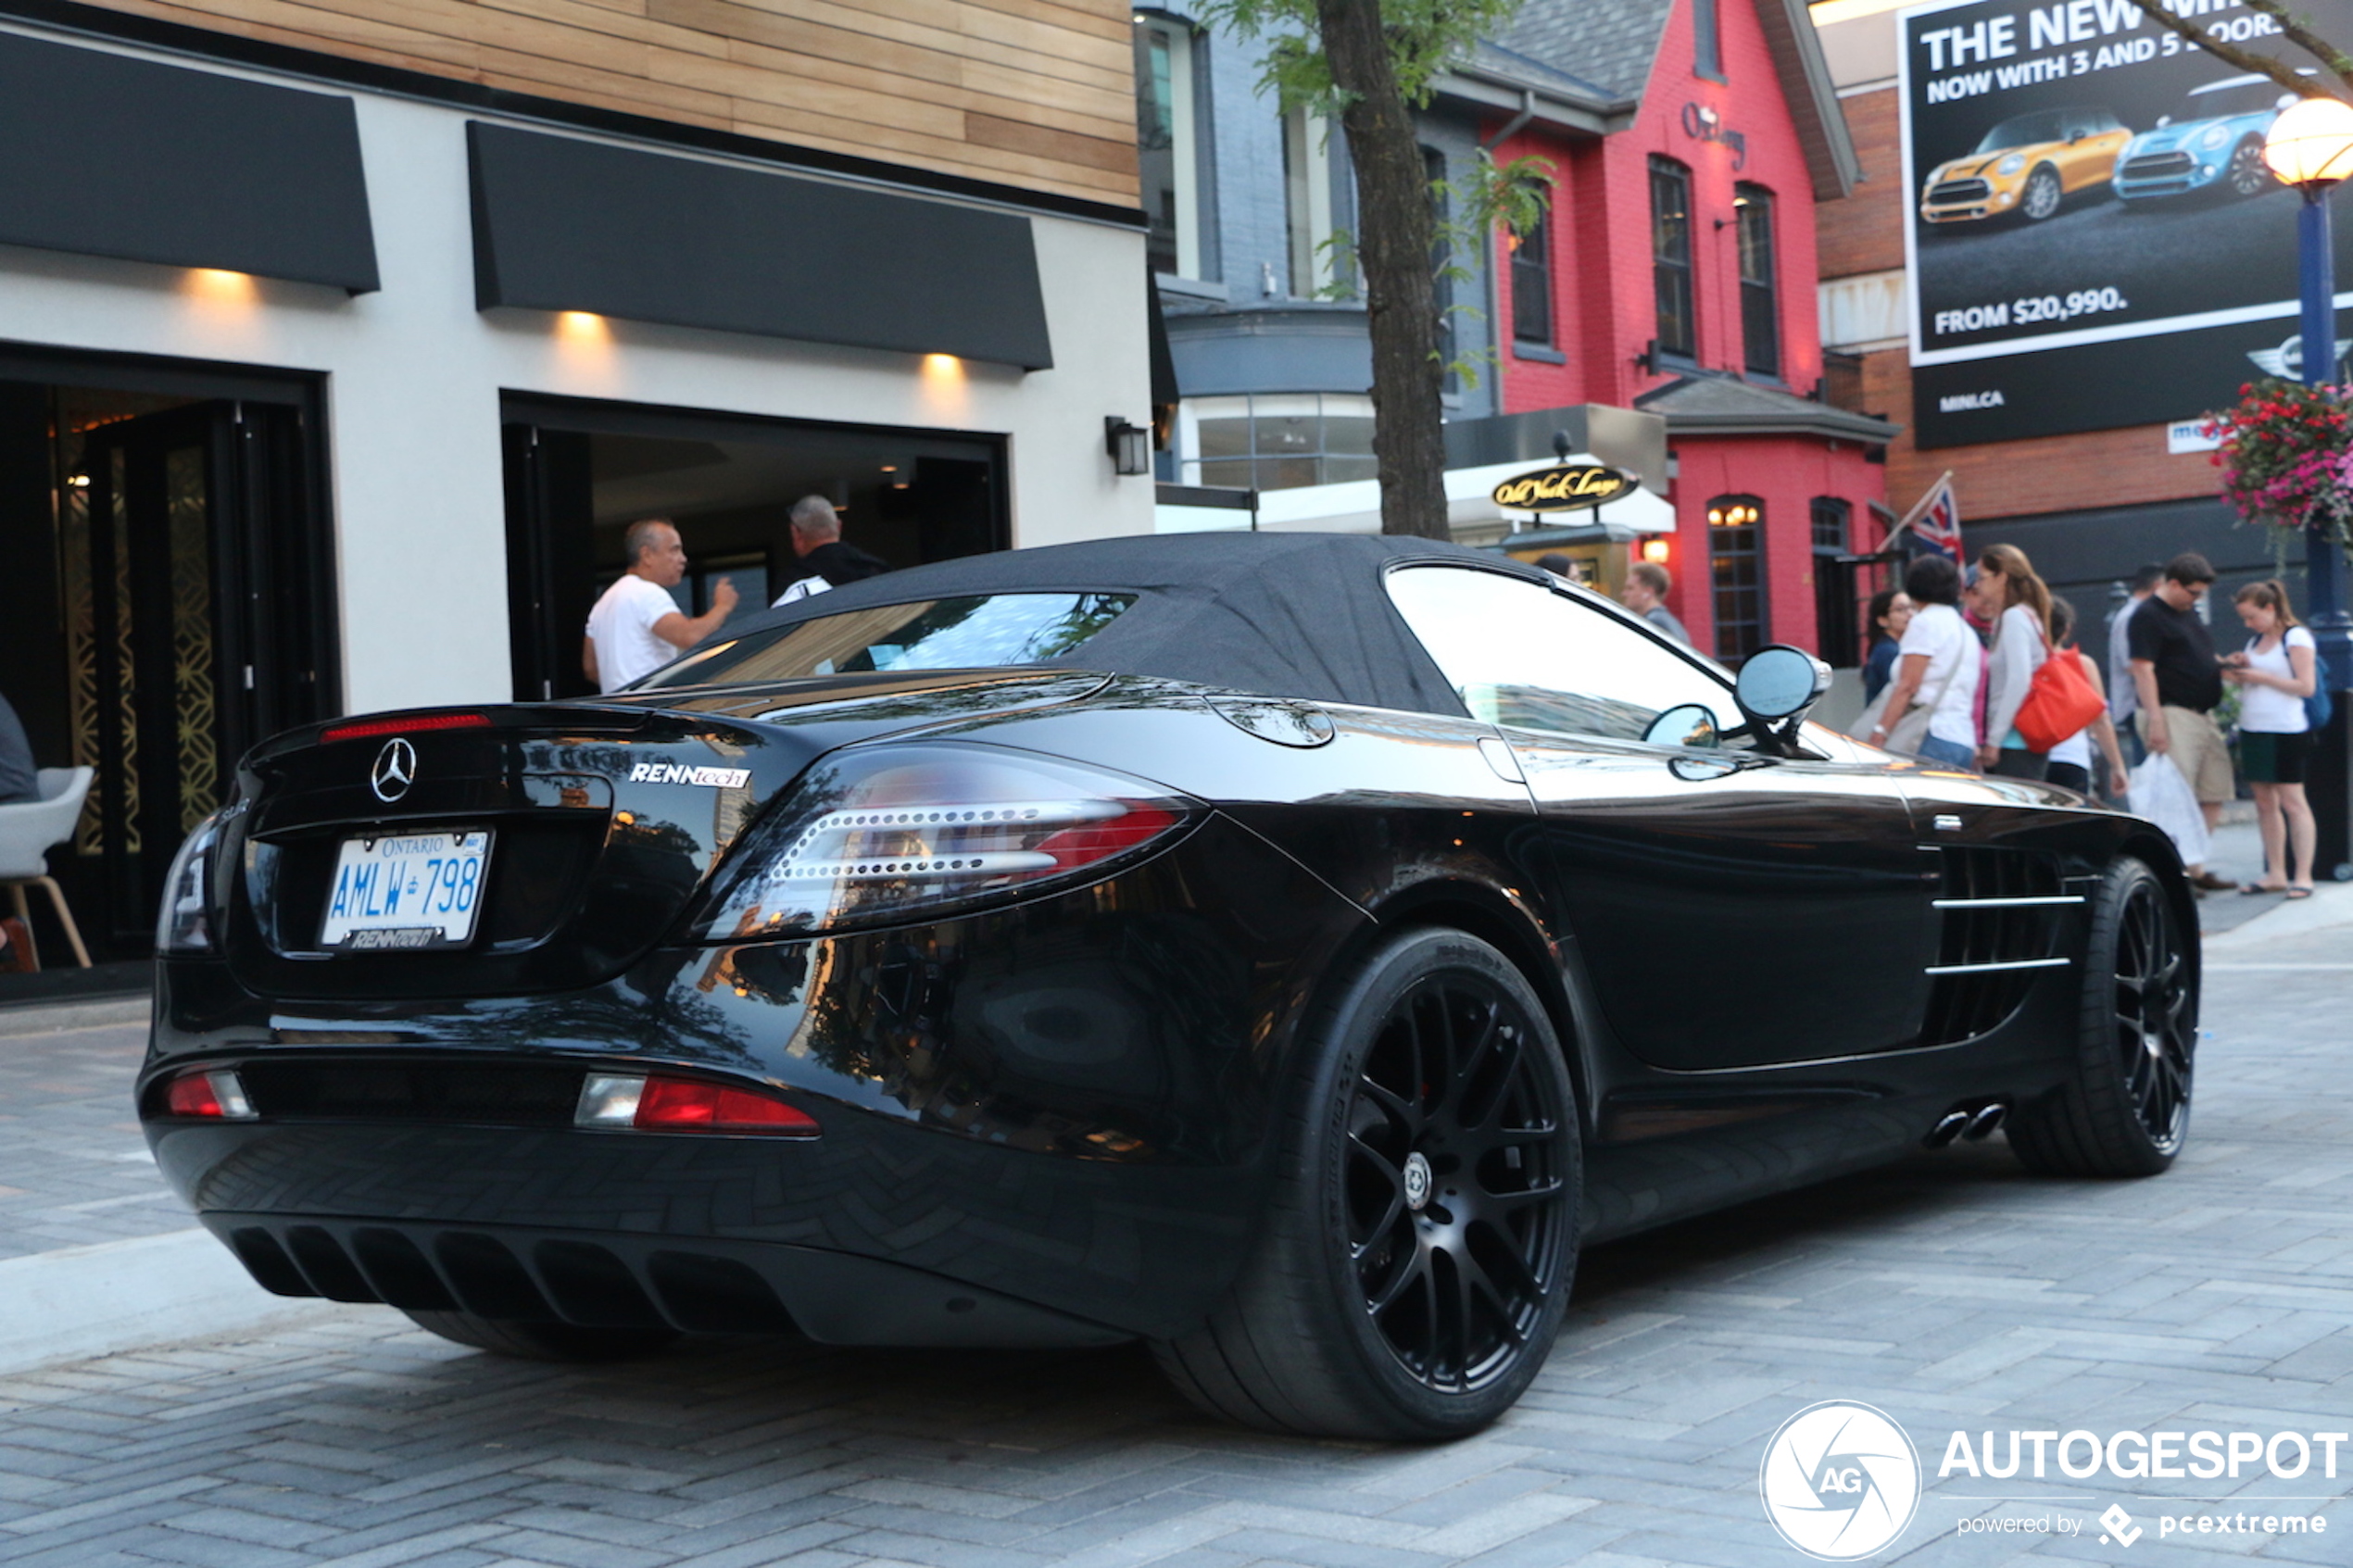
[{"x": 680, "y": 773}]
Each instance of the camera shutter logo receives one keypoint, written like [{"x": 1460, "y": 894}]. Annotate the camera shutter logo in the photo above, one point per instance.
[
  {"x": 395, "y": 771},
  {"x": 1839, "y": 1480}
]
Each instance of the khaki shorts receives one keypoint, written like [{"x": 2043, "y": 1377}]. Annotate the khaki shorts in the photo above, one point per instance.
[{"x": 2198, "y": 749}]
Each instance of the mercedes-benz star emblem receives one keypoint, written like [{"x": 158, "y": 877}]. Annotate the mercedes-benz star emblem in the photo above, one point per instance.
[{"x": 395, "y": 771}]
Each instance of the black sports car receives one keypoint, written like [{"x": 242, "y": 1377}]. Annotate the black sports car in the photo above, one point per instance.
[{"x": 1283, "y": 949}]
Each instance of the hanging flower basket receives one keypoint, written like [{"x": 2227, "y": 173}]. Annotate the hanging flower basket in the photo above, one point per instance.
[{"x": 2288, "y": 456}]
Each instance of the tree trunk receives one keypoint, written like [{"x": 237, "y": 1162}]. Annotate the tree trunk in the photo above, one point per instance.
[{"x": 1395, "y": 236}]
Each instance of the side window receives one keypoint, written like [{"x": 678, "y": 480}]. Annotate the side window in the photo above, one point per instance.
[{"x": 1521, "y": 654}]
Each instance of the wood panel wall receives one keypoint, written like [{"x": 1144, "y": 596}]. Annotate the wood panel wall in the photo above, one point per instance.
[{"x": 1039, "y": 94}]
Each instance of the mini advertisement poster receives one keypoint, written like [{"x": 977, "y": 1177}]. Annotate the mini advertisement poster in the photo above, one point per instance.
[{"x": 2094, "y": 239}]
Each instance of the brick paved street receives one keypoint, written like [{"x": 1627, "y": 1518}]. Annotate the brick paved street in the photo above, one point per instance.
[{"x": 1951, "y": 1292}]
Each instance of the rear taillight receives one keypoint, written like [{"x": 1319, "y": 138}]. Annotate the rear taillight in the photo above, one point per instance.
[
  {"x": 655, "y": 1103},
  {"x": 416, "y": 723},
  {"x": 891, "y": 833},
  {"x": 213, "y": 1094}
]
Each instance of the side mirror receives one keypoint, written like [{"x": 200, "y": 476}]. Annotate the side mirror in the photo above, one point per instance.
[
  {"x": 1781, "y": 683},
  {"x": 1689, "y": 725},
  {"x": 2163, "y": 120}
]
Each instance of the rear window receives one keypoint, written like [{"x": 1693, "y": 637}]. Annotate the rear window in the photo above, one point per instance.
[{"x": 979, "y": 632}]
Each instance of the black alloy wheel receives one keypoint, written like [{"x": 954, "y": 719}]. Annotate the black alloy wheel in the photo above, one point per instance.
[
  {"x": 2125, "y": 1110},
  {"x": 1423, "y": 1236},
  {"x": 2043, "y": 195},
  {"x": 2249, "y": 174}
]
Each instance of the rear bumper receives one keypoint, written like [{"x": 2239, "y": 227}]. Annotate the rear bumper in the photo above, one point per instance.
[
  {"x": 600, "y": 1280},
  {"x": 1066, "y": 1103}
]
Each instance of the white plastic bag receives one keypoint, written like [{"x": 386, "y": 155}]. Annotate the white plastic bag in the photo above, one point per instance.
[{"x": 2164, "y": 796}]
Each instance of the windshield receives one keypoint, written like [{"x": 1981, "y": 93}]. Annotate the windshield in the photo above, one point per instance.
[
  {"x": 980, "y": 631},
  {"x": 2256, "y": 96},
  {"x": 2025, "y": 130}
]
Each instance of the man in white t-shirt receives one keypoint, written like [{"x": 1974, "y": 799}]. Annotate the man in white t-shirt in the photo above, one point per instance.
[{"x": 637, "y": 628}]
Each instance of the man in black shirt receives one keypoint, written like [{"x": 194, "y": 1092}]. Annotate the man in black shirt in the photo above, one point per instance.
[
  {"x": 2178, "y": 681},
  {"x": 825, "y": 561}
]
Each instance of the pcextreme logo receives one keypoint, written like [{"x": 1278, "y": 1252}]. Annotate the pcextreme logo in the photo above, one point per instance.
[{"x": 1839, "y": 1480}]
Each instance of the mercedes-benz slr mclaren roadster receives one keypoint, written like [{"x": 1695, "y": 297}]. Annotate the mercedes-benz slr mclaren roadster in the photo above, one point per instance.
[{"x": 1286, "y": 950}]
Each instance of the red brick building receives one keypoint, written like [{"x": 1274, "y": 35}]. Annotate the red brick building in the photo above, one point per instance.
[{"x": 1676, "y": 273}]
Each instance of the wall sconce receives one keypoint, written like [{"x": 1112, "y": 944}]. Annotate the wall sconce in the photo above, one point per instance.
[
  {"x": 1656, "y": 550},
  {"x": 1130, "y": 445}
]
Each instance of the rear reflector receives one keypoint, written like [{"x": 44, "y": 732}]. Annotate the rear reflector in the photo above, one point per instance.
[
  {"x": 417, "y": 724},
  {"x": 658, "y": 1104},
  {"x": 215, "y": 1094}
]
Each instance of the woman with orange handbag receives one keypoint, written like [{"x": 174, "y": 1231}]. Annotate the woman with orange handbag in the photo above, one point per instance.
[
  {"x": 2072, "y": 758},
  {"x": 2008, "y": 595}
]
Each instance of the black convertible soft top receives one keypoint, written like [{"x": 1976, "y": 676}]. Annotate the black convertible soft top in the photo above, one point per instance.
[{"x": 1280, "y": 614}]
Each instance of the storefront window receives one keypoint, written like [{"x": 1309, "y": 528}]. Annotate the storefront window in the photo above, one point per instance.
[
  {"x": 1736, "y": 555},
  {"x": 1167, "y": 145},
  {"x": 1760, "y": 303},
  {"x": 1671, "y": 255},
  {"x": 1277, "y": 441}
]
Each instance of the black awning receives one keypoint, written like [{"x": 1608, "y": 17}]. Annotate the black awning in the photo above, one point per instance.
[
  {"x": 105, "y": 155},
  {"x": 565, "y": 224}
]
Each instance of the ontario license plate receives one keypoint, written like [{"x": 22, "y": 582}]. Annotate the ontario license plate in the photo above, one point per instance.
[{"x": 405, "y": 891}]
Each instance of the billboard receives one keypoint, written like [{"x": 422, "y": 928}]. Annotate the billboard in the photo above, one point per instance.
[{"x": 2093, "y": 239}]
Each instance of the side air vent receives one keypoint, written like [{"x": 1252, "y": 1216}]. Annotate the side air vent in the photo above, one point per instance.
[{"x": 2002, "y": 914}]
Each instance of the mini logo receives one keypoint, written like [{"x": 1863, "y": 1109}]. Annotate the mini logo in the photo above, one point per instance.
[
  {"x": 2119, "y": 1524},
  {"x": 1839, "y": 1480},
  {"x": 395, "y": 771}
]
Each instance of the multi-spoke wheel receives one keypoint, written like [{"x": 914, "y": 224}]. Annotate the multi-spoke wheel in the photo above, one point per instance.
[
  {"x": 1420, "y": 1250},
  {"x": 2249, "y": 174},
  {"x": 2125, "y": 1109},
  {"x": 2043, "y": 195}
]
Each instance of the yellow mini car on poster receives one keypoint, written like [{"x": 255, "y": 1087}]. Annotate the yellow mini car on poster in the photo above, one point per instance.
[{"x": 2026, "y": 167}]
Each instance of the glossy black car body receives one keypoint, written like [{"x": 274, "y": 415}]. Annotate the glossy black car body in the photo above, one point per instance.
[{"x": 1058, "y": 1116}]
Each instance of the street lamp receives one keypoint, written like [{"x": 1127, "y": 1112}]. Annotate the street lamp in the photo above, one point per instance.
[{"x": 2310, "y": 147}]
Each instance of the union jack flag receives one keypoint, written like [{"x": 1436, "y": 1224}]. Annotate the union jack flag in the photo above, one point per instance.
[{"x": 1935, "y": 520}]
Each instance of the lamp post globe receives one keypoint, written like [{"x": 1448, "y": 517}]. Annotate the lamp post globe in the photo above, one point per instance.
[{"x": 2311, "y": 143}]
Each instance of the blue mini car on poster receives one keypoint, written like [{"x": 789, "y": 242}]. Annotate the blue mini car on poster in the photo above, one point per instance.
[{"x": 2216, "y": 142}]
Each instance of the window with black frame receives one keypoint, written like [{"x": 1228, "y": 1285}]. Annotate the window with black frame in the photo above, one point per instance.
[
  {"x": 1837, "y": 624},
  {"x": 1708, "y": 41},
  {"x": 1736, "y": 559},
  {"x": 1672, "y": 256},
  {"x": 1441, "y": 260},
  {"x": 1532, "y": 283},
  {"x": 1760, "y": 301}
]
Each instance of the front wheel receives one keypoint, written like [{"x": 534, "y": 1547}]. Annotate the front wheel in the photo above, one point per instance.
[
  {"x": 2249, "y": 174},
  {"x": 1422, "y": 1234},
  {"x": 2042, "y": 196},
  {"x": 543, "y": 1341},
  {"x": 2124, "y": 1109}
]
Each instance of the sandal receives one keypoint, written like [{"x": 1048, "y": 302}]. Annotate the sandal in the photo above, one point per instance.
[
  {"x": 2255, "y": 888},
  {"x": 2299, "y": 893}
]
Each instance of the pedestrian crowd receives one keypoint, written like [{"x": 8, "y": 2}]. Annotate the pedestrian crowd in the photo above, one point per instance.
[{"x": 1961, "y": 673}]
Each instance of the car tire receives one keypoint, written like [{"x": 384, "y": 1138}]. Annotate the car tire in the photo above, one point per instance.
[
  {"x": 2124, "y": 1108},
  {"x": 2248, "y": 175},
  {"x": 2042, "y": 196},
  {"x": 544, "y": 1341},
  {"x": 1422, "y": 1237}
]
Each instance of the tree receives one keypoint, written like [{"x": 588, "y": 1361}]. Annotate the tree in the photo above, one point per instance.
[
  {"x": 2292, "y": 28},
  {"x": 1368, "y": 64}
]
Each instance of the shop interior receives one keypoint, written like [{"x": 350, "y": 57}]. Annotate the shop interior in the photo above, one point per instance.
[
  {"x": 166, "y": 609},
  {"x": 578, "y": 477}
]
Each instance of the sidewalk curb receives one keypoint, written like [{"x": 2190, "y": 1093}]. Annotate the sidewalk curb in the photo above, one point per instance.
[
  {"x": 48, "y": 1017},
  {"x": 2330, "y": 905},
  {"x": 82, "y": 1302}
]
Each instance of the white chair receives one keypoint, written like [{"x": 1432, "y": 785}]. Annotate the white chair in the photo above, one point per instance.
[{"x": 28, "y": 830}]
